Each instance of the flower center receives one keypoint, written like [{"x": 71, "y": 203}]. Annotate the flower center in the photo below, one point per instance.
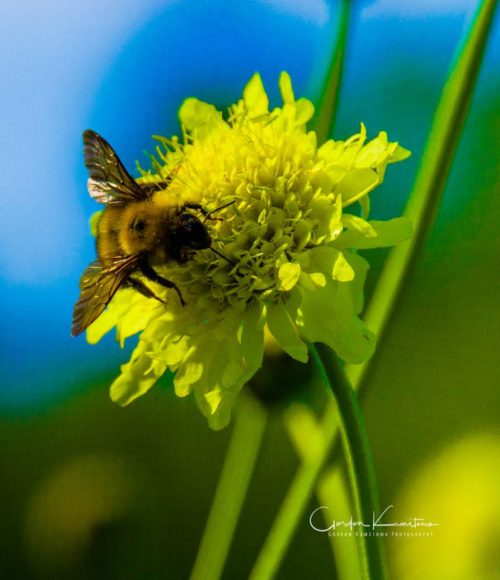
[{"x": 277, "y": 212}]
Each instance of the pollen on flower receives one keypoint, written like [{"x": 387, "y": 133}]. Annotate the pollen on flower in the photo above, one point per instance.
[{"x": 293, "y": 268}]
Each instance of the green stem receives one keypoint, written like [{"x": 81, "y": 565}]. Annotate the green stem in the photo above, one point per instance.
[
  {"x": 231, "y": 491},
  {"x": 358, "y": 456},
  {"x": 361, "y": 472},
  {"x": 440, "y": 149},
  {"x": 327, "y": 105}
]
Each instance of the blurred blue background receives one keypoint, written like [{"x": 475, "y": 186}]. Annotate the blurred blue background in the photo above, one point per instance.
[{"x": 123, "y": 69}]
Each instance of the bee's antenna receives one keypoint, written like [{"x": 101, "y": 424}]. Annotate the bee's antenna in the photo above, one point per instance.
[
  {"x": 221, "y": 255},
  {"x": 207, "y": 215}
]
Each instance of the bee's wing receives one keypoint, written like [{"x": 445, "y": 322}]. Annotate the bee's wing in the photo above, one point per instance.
[
  {"x": 150, "y": 188},
  {"x": 162, "y": 184},
  {"x": 109, "y": 182},
  {"x": 98, "y": 285}
]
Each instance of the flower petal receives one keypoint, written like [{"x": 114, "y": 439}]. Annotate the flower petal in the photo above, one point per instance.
[
  {"x": 255, "y": 96},
  {"x": 304, "y": 110},
  {"x": 285, "y": 332},
  {"x": 288, "y": 275},
  {"x": 357, "y": 183},
  {"x": 332, "y": 263},
  {"x": 222, "y": 414},
  {"x": 286, "y": 90},
  {"x": 129, "y": 312},
  {"x": 94, "y": 221},
  {"x": 356, "y": 286},
  {"x": 137, "y": 376},
  {"x": 252, "y": 338},
  {"x": 398, "y": 154},
  {"x": 388, "y": 233},
  {"x": 373, "y": 153},
  {"x": 198, "y": 117},
  {"x": 342, "y": 270},
  {"x": 328, "y": 316},
  {"x": 188, "y": 373},
  {"x": 352, "y": 222}
]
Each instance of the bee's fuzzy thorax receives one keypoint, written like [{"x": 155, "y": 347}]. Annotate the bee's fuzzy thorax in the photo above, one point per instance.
[{"x": 141, "y": 227}]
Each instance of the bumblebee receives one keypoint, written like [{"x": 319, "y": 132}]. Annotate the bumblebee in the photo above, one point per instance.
[{"x": 138, "y": 230}]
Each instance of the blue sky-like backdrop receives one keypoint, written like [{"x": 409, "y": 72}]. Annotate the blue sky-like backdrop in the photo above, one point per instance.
[{"x": 123, "y": 69}]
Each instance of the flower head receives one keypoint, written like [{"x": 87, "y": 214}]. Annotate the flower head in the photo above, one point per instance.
[{"x": 293, "y": 268}]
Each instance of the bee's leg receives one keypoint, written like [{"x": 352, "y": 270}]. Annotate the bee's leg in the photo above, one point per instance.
[
  {"x": 207, "y": 214},
  {"x": 198, "y": 207},
  {"x": 142, "y": 289},
  {"x": 151, "y": 274}
]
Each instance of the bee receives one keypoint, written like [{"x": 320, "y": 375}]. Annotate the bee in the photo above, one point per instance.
[{"x": 139, "y": 229}]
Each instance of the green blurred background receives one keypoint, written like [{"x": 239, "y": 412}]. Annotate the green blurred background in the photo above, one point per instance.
[{"x": 91, "y": 490}]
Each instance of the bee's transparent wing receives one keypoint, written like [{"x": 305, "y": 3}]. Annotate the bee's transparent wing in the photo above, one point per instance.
[
  {"x": 150, "y": 188},
  {"x": 98, "y": 285},
  {"x": 109, "y": 182}
]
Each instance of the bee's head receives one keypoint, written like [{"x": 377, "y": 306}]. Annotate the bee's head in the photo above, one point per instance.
[{"x": 191, "y": 233}]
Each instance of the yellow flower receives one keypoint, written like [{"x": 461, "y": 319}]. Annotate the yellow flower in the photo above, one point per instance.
[{"x": 296, "y": 272}]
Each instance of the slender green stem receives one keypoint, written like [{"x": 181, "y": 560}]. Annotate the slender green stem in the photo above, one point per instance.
[
  {"x": 231, "y": 491},
  {"x": 362, "y": 475},
  {"x": 326, "y": 109},
  {"x": 357, "y": 453},
  {"x": 449, "y": 120}
]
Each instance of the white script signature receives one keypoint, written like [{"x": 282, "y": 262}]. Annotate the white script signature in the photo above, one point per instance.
[{"x": 376, "y": 522}]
